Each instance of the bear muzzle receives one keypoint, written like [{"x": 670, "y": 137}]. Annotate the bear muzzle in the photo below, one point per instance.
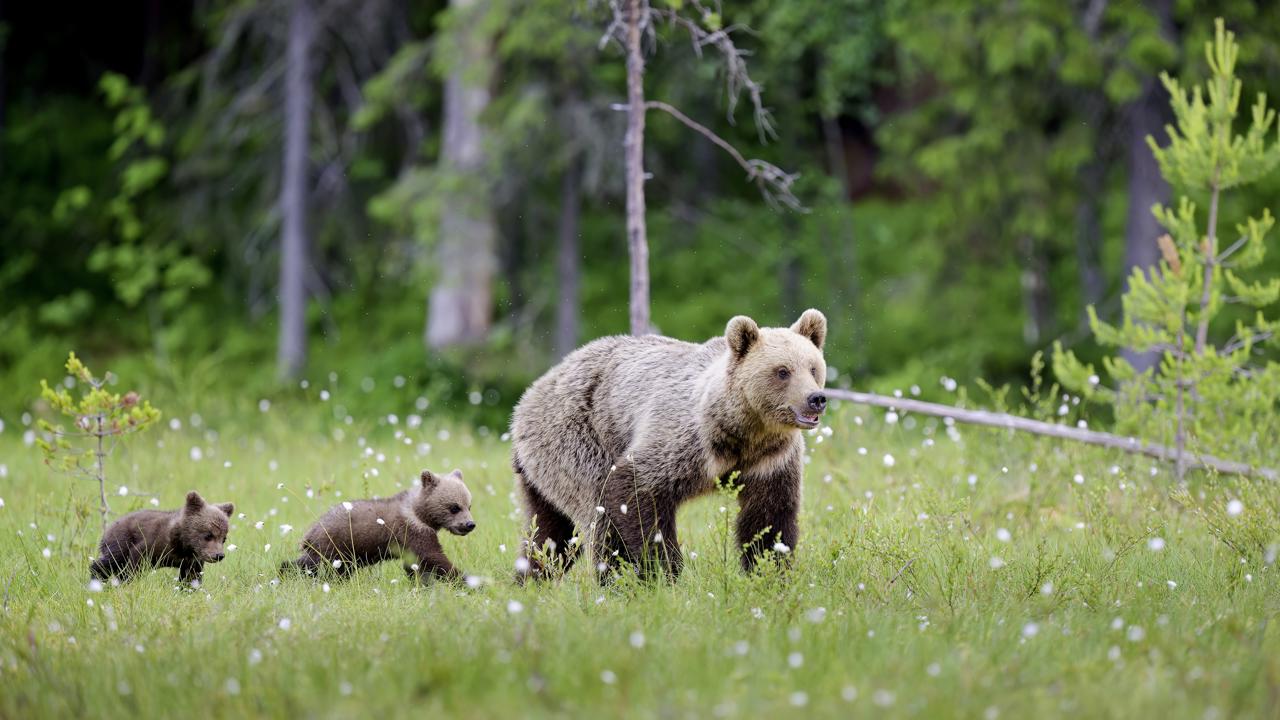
[{"x": 815, "y": 404}]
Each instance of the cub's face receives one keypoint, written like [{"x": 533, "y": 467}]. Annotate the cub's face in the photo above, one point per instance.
[
  {"x": 203, "y": 527},
  {"x": 444, "y": 502},
  {"x": 780, "y": 371}
]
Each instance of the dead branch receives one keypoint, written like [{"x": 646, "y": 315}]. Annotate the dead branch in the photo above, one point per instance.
[
  {"x": 774, "y": 182},
  {"x": 1092, "y": 437}
]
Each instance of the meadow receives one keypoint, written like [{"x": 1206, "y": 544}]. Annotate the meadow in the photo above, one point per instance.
[{"x": 942, "y": 572}]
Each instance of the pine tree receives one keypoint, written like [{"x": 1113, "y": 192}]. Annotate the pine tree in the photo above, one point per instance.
[{"x": 1216, "y": 396}]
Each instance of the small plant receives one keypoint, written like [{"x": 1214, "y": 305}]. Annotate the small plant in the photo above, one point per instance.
[
  {"x": 100, "y": 419},
  {"x": 1218, "y": 395}
]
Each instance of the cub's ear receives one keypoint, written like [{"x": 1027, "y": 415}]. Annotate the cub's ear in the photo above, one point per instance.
[
  {"x": 429, "y": 479},
  {"x": 813, "y": 325},
  {"x": 457, "y": 472},
  {"x": 227, "y": 508},
  {"x": 741, "y": 332},
  {"x": 195, "y": 503}
]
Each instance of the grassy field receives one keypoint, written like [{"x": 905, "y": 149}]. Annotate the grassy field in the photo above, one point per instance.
[{"x": 962, "y": 573}]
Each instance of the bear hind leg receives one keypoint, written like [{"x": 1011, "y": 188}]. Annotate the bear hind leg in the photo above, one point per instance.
[
  {"x": 640, "y": 529},
  {"x": 549, "y": 546}
]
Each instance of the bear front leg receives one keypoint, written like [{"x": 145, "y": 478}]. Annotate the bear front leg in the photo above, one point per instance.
[
  {"x": 189, "y": 571},
  {"x": 769, "y": 504},
  {"x": 432, "y": 562}
]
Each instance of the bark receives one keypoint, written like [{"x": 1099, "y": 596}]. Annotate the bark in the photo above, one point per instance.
[
  {"x": 1037, "y": 300},
  {"x": 1089, "y": 234},
  {"x": 637, "y": 236},
  {"x": 1065, "y": 432},
  {"x": 569, "y": 261},
  {"x": 460, "y": 309},
  {"x": 294, "y": 190},
  {"x": 1145, "y": 116}
]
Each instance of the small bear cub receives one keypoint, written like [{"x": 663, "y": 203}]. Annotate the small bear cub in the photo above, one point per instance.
[
  {"x": 186, "y": 539},
  {"x": 365, "y": 532}
]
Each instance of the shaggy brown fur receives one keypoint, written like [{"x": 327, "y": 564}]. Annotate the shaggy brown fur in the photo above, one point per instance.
[
  {"x": 625, "y": 429},
  {"x": 185, "y": 539},
  {"x": 364, "y": 532}
]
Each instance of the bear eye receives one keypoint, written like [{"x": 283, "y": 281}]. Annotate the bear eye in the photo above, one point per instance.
[
  {"x": 782, "y": 373},
  {"x": 455, "y": 509},
  {"x": 209, "y": 537}
]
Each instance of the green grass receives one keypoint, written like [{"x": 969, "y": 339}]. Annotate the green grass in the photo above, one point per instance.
[{"x": 897, "y": 604}]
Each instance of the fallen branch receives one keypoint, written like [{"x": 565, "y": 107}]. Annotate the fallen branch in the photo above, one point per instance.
[{"x": 1092, "y": 437}]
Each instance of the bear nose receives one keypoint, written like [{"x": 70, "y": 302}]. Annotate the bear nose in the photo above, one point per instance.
[
  {"x": 818, "y": 401},
  {"x": 468, "y": 526},
  {"x": 218, "y": 557}
]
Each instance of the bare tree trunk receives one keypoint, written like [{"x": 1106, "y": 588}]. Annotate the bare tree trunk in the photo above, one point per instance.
[
  {"x": 461, "y": 304},
  {"x": 1145, "y": 116},
  {"x": 293, "y": 191},
  {"x": 1092, "y": 175},
  {"x": 637, "y": 237},
  {"x": 569, "y": 261},
  {"x": 1130, "y": 445},
  {"x": 1037, "y": 301}
]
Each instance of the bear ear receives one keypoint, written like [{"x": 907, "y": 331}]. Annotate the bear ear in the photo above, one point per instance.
[
  {"x": 195, "y": 503},
  {"x": 457, "y": 472},
  {"x": 813, "y": 325},
  {"x": 429, "y": 479},
  {"x": 741, "y": 332},
  {"x": 227, "y": 508}
]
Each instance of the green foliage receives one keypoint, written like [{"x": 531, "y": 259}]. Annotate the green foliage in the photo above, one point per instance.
[
  {"x": 100, "y": 418},
  {"x": 1216, "y": 394}
]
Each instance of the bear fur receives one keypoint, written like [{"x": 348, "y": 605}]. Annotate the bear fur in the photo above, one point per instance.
[
  {"x": 186, "y": 539},
  {"x": 625, "y": 429},
  {"x": 365, "y": 532}
]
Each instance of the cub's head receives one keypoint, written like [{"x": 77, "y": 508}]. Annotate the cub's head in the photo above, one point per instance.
[
  {"x": 444, "y": 502},
  {"x": 780, "y": 372},
  {"x": 202, "y": 526}
]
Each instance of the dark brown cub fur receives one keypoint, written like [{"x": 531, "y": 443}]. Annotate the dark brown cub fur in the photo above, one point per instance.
[
  {"x": 365, "y": 532},
  {"x": 186, "y": 539}
]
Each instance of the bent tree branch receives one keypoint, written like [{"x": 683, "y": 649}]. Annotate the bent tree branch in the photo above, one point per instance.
[
  {"x": 1091, "y": 437},
  {"x": 774, "y": 182}
]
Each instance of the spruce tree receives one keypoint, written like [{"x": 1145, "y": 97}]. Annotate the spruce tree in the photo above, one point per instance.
[{"x": 1211, "y": 392}]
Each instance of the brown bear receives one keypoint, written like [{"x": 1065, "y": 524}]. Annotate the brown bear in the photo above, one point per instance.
[
  {"x": 364, "y": 532},
  {"x": 186, "y": 539},
  {"x": 625, "y": 429}
]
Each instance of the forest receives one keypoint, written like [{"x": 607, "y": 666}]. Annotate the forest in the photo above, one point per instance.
[
  {"x": 260, "y": 259},
  {"x": 171, "y": 192}
]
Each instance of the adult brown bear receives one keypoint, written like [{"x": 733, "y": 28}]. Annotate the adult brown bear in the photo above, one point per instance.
[{"x": 625, "y": 429}]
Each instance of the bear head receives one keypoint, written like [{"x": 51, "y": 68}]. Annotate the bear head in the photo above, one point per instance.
[
  {"x": 779, "y": 372},
  {"x": 202, "y": 527},
  {"x": 444, "y": 502}
]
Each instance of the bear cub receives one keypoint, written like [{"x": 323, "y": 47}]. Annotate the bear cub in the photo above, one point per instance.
[
  {"x": 186, "y": 539},
  {"x": 365, "y": 532}
]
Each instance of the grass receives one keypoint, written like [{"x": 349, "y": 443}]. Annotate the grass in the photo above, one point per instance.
[{"x": 938, "y": 576}]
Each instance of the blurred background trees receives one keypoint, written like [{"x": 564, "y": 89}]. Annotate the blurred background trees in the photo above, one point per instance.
[{"x": 435, "y": 190}]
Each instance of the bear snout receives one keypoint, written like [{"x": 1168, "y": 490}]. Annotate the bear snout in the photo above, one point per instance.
[
  {"x": 818, "y": 401},
  {"x": 465, "y": 528},
  {"x": 217, "y": 557}
]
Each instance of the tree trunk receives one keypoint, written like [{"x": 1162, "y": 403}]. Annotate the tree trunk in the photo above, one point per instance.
[
  {"x": 1037, "y": 302},
  {"x": 1089, "y": 232},
  {"x": 568, "y": 261},
  {"x": 1145, "y": 116},
  {"x": 637, "y": 238},
  {"x": 294, "y": 191},
  {"x": 461, "y": 305}
]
